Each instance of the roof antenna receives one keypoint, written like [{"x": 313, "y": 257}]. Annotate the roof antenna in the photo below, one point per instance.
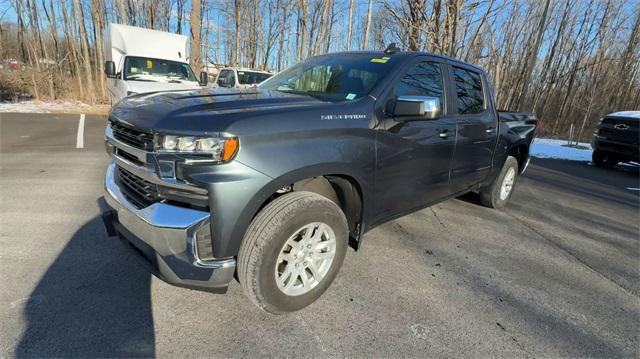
[{"x": 391, "y": 49}]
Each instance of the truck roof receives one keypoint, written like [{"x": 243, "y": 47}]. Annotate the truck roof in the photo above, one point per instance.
[
  {"x": 123, "y": 40},
  {"x": 407, "y": 54},
  {"x": 627, "y": 114}
]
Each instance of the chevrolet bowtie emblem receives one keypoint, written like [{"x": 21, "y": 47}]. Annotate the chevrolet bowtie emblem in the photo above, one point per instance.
[{"x": 621, "y": 126}]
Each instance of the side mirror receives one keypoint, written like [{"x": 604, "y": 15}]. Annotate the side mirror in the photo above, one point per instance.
[
  {"x": 204, "y": 78},
  {"x": 110, "y": 68},
  {"x": 417, "y": 108}
]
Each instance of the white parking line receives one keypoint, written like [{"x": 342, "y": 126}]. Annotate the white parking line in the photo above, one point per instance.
[{"x": 80, "y": 136}]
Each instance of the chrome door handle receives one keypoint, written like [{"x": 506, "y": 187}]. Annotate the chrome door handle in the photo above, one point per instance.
[
  {"x": 490, "y": 130},
  {"x": 444, "y": 134}
]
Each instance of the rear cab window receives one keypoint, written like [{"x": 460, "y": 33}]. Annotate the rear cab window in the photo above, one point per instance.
[{"x": 251, "y": 77}]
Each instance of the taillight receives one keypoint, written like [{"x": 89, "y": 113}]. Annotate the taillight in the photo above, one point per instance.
[{"x": 535, "y": 122}]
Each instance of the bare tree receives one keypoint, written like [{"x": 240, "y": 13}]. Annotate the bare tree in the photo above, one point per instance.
[
  {"x": 350, "y": 24},
  {"x": 195, "y": 22},
  {"x": 367, "y": 26},
  {"x": 84, "y": 44},
  {"x": 533, "y": 55}
]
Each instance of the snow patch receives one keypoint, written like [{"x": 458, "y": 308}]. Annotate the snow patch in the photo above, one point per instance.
[
  {"x": 51, "y": 107},
  {"x": 559, "y": 149}
]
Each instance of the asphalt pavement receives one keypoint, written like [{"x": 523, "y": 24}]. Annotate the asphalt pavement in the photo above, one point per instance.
[{"x": 554, "y": 274}]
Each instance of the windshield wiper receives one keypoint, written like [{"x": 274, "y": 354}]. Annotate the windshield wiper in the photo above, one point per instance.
[{"x": 313, "y": 94}]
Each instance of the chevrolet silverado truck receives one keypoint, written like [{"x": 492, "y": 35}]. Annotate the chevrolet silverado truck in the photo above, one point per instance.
[
  {"x": 617, "y": 139},
  {"x": 271, "y": 185}
]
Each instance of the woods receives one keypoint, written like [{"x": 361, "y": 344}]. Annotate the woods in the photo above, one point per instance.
[{"x": 570, "y": 61}]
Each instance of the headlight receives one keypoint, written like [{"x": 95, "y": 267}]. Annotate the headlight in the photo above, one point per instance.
[{"x": 220, "y": 148}]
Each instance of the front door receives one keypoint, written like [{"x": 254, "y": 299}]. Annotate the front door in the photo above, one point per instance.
[
  {"x": 414, "y": 157},
  {"x": 477, "y": 126}
]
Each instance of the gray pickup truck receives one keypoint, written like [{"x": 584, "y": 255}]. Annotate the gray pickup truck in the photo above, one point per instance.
[{"x": 272, "y": 184}]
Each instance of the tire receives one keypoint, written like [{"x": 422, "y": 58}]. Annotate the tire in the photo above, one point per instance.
[
  {"x": 493, "y": 196},
  {"x": 263, "y": 258},
  {"x": 603, "y": 159}
]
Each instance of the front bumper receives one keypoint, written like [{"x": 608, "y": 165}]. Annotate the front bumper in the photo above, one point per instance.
[{"x": 165, "y": 237}]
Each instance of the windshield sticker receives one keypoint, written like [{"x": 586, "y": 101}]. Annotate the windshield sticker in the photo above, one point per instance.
[
  {"x": 382, "y": 60},
  {"x": 149, "y": 64},
  {"x": 342, "y": 117},
  {"x": 351, "y": 96}
]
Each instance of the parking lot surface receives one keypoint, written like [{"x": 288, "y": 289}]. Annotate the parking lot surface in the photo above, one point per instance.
[{"x": 556, "y": 273}]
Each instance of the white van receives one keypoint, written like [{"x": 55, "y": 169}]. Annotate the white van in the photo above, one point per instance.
[
  {"x": 141, "y": 60},
  {"x": 241, "y": 78}
]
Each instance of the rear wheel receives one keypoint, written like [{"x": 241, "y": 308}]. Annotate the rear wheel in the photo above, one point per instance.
[
  {"x": 499, "y": 192},
  {"x": 292, "y": 251},
  {"x": 604, "y": 159}
]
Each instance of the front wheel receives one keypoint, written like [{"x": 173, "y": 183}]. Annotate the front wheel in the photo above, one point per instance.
[
  {"x": 292, "y": 251},
  {"x": 497, "y": 194}
]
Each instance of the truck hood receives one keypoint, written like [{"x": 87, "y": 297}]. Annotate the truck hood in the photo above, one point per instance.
[
  {"x": 161, "y": 84},
  {"x": 206, "y": 110}
]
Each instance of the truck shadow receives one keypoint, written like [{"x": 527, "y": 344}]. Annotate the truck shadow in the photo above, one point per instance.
[{"x": 93, "y": 301}]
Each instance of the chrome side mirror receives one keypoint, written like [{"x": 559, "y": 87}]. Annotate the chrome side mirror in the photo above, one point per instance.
[{"x": 417, "y": 108}]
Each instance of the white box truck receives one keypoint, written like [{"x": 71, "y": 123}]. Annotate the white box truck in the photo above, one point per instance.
[{"x": 141, "y": 60}]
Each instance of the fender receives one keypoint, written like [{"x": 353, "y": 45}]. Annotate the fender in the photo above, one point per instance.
[{"x": 229, "y": 246}]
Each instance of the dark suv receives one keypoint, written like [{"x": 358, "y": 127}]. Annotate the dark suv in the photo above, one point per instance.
[
  {"x": 616, "y": 139},
  {"x": 271, "y": 184}
]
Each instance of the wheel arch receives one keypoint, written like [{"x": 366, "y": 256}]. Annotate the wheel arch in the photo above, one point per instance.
[
  {"x": 520, "y": 151},
  {"x": 338, "y": 184}
]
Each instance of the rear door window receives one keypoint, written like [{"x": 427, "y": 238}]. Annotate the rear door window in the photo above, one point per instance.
[{"x": 469, "y": 91}]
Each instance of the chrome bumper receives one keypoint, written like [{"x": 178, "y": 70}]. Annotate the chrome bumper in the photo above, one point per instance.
[{"x": 165, "y": 235}]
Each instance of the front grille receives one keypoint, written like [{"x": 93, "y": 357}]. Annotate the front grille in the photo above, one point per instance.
[
  {"x": 133, "y": 137},
  {"x": 138, "y": 191}
]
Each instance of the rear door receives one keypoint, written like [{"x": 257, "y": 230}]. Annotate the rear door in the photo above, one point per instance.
[
  {"x": 413, "y": 157},
  {"x": 477, "y": 126}
]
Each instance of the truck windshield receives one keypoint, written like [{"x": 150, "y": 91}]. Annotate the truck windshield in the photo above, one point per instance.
[
  {"x": 251, "y": 77},
  {"x": 339, "y": 77},
  {"x": 156, "y": 70}
]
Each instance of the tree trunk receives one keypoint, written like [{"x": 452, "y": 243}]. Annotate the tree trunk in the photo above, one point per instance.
[
  {"x": 97, "y": 7},
  {"x": 179, "y": 11},
  {"x": 84, "y": 42},
  {"x": 367, "y": 25},
  {"x": 533, "y": 55},
  {"x": 236, "y": 55},
  {"x": 195, "y": 22},
  {"x": 302, "y": 20},
  {"x": 122, "y": 12},
  {"x": 350, "y": 24},
  {"x": 281, "y": 36},
  {"x": 71, "y": 44}
]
